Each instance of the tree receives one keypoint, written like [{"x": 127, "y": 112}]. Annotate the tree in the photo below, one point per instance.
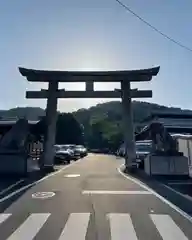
[{"x": 69, "y": 131}]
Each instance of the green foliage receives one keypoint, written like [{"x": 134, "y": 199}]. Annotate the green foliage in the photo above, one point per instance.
[
  {"x": 99, "y": 126},
  {"x": 69, "y": 131},
  {"x": 103, "y": 122}
]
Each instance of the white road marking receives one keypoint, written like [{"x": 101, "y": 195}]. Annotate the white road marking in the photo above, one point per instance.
[
  {"x": 43, "y": 195},
  {"x": 177, "y": 192},
  {"x": 4, "y": 217},
  {"x": 177, "y": 209},
  {"x": 35, "y": 183},
  {"x": 76, "y": 227},
  {"x": 167, "y": 227},
  {"x": 121, "y": 227},
  {"x": 29, "y": 229},
  {"x": 11, "y": 186},
  {"x": 116, "y": 192},
  {"x": 72, "y": 175}
]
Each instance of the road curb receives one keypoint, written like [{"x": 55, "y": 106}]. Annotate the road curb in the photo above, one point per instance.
[{"x": 164, "y": 200}]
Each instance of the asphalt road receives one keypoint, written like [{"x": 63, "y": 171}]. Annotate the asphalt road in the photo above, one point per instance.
[{"x": 91, "y": 200}]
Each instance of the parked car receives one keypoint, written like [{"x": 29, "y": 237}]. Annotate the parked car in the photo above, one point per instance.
[
  {"x": 143, "y": 148},
  {"x": 72, "y": 147},
  {"x": 80, "y": 150},
  {"x": 63, "y": 154}
]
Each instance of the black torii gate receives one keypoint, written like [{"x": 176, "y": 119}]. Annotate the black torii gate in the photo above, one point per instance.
[{"x": 53, "y": 78}]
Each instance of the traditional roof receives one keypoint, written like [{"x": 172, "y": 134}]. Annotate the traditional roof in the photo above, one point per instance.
[
  {"x": 173, "y": 122},
  {"x": 84, "y": 76},
  {"x": 168, "y": 115},
  {"x": 13, "y": 122}
]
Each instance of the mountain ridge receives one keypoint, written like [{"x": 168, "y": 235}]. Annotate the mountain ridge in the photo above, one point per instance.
[{"x": 145, "y": 108}]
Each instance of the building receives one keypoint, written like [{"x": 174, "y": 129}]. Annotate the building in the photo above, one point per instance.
[
  {"x": 7, "y": 124},
  {"x": 173, "y": 122}
]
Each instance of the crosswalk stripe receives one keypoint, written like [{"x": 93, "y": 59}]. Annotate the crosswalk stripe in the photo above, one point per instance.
[
  {"x": 121, "y": 227},
  {"x": 29, "y": 229},
  {"x": 4, "y": 217},
  {"x": 167, "y": 227},
  {"x": 75, "y": 227}
]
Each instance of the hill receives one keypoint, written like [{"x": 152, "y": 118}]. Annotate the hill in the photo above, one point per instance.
[
  {"x": 102, "y": 123},
  {"x": 112, "y": 111},
  {"x": 30, "y": 113}
]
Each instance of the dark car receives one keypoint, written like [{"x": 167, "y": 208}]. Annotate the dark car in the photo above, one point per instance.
[
  {"x": 63, "y": 154},
  {"x": 143, "y": 148}
]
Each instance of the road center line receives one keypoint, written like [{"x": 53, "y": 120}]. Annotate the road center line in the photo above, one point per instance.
[
  {"x": 72, "y": 175},
  {"x": 116, "y": 192}
]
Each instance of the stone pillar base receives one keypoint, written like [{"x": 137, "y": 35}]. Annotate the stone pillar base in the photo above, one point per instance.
[
  {"x": 47, "y": 169},
  {"x": 131, "y": 168}
]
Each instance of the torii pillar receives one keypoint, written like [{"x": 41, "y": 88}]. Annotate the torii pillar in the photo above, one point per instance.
[
  {"x": 51, "y": 120},
  {"x": 128, "y": 126}
]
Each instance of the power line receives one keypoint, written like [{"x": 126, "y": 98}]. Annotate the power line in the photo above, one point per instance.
[{"x": 153, "y": 27}]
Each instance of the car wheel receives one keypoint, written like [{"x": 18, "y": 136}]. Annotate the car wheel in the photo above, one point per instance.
[
  {"x": 57, "y": 160},
  {"x": 68, "y": 159}
]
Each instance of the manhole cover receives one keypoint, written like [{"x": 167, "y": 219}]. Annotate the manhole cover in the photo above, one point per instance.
[
  {"x": 43, "y": 195},
  {"x": 72, "y": 175}
]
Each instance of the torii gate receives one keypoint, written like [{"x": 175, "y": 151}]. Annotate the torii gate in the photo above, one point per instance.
[{"x": 53, "y": 93}]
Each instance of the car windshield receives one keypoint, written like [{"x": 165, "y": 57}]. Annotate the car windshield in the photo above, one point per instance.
[
  {"x": 143, "y": 147},
  {"x": 61, "y": 147},
  {"x": 79, "y": 146},
  {"x": 64, "y": 148},
  {"x": 71, "y": 147}
]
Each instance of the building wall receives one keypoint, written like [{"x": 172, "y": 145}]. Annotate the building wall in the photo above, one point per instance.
[{"x": 185, "y": 146}]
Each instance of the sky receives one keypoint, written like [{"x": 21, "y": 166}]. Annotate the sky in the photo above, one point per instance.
[{"x": 95, "y": 35}]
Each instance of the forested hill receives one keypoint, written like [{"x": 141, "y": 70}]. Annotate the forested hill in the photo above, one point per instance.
[
  {"x": 101, "y": 123},
  {"x": 112, "y": 111}
]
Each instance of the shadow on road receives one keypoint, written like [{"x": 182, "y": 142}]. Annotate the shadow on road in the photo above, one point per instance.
[{"x": 12, "y": 195}]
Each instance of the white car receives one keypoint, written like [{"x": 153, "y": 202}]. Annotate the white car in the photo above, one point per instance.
[{"x": 63, "y": 154}]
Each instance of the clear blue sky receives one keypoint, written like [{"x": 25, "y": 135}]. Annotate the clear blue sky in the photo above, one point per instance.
[{"x": 99, "y": 35}]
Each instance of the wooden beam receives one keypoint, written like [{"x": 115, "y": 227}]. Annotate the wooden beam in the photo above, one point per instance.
[
  {"x": 139, "y": 78},
  {"x": 86, "y": 76},
  {"x": 90, "y": 94}
]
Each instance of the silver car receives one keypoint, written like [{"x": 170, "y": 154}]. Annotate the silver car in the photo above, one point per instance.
[{"x": 63, "y": 154}]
